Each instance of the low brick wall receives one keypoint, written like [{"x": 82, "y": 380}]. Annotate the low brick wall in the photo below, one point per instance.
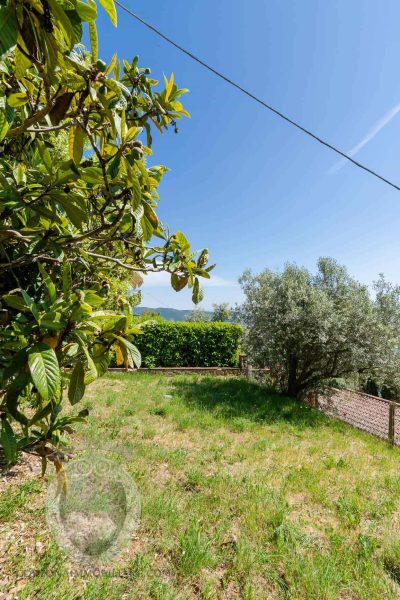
[{"x": 363, "y": 411}]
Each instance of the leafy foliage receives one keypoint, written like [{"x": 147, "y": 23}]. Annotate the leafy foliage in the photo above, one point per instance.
[
  {"x": 168, "y": 344},
  {"x": 385, "y": 381},
  {"x": 312, "y": 328},
  {"x": 222, "y": 312},
  {"x": 198, "y": 315},
  {"x": 78, "y": 206}
]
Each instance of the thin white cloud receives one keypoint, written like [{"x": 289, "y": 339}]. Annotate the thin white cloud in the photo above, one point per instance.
[
  {"x": 379, "y": 125},
  {"x": 163, "y": 279}
]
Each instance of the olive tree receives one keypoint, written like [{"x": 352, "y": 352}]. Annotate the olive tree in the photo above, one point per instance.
[
  {"x": 385, "y": 381},
  {"x": 198, "y": 315},
  {"x": 310, "y": 328},
  {"x": 78, "y": 205},
  {"x": 221, "y": 312}
]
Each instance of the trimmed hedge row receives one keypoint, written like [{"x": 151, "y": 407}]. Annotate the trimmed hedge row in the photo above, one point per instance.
[{"x": 170, "y": 344}]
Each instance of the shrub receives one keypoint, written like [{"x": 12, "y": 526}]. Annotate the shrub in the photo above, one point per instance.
[{"x": 171, "y": 344}]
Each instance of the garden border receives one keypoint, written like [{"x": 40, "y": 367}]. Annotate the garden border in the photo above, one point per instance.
[{"x": 183, "y": 370}]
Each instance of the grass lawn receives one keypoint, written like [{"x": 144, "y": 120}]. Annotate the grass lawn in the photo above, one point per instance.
[{"x": 244, "y": 495}]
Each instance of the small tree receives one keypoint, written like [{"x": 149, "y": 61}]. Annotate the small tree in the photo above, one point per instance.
[
  {"x": 310, "y": 328},
  {"x": 78, "y": 205},
  {"x": 222, "y": 312},
  {"x": 198, "y": 315}
]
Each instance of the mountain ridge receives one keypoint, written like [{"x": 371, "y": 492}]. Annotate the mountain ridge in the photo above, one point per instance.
[{"x": 169, "y": 314}]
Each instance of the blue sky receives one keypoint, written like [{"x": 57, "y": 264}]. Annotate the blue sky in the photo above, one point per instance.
[{"x": 244, "y": 183}]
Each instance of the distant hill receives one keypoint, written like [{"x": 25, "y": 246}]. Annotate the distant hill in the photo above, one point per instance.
[{"x": 169, "y": 314}]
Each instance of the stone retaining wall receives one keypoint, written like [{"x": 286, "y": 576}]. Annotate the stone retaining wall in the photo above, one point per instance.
[{"x": 221, "y": 371}]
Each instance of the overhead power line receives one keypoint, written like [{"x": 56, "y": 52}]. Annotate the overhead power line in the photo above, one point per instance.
[
  {"x": 256, "y": 98},
  {"x": 160, "y": 303}
]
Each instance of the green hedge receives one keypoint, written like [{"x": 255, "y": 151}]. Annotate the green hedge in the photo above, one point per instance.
[{"x": 169, "y": 344}]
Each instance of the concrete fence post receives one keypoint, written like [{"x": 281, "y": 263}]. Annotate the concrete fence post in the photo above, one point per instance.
[
  {"x": 242, "y": 361},
  {"x": 249, "y": 371},
  {"x": 392, "y": 408}
]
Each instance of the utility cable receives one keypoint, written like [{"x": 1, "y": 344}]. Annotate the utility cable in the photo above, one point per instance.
[{"x": 256, "y": 98}]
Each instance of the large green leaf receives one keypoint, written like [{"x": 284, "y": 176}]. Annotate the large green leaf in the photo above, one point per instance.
[
  {"x": 76, "y": 387},
  {"x": 133, "y": 352},
  {"x": 6, "y": 116},
  {"x": 8, "y": 441},
  {"x": 168, "y": 86},
  {"x": 91, "y": 174},
  {"x": 44, "y": 155},
  {"x": 76, "y": 142},
  {"x": 182, "y": 241},
  {"x": 31, "y": 305},
  {"x": 147, "y": 228},
  {"x": 45, "y": 371},
  {"x": 113, "y": 168},
  {"x": 18, "y": 99},
  {"x": 66, "y": 280},
  {"x": 52, "y": 320},
  {"x": 116, "y": 86},
  {"x": 85, "y": 11},
  {"x": 8, "y": 28},
  {"x": 94, "y": 44},
  {"x": 15, "y": 302},
  {"x": 76, "y": 24},
  {"x": 109, "y": 7},
  {"x": 197, "y": 294},
  {"x": 92, "y": 298},
  {"x": 108, "y": 321},
  {"x": 3, "y": 124},
  {"x": 12, "y": 401},
  {"x": 91, "y": 373},
  {"x": 51, "y": 288},
  {"x": 75, "y": 213},
  {"x": 177, "y": 282},
  {"x": 101, "y": 358},
  {"x": 62, "y": 21},
  {"x": 22, "y": 63},
  {"x": 133, "y": 182}
]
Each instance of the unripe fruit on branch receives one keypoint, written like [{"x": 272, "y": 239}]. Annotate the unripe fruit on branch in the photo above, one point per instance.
[{"x": 101, "y": 65}]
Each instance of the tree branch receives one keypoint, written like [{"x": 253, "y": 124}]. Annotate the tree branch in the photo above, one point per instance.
[
  {"x": 16, "y": 131},
  {"x": 26, "y": 260},
  {"x": 46, "y": 129},
  {"x": 122, "y": 264}
]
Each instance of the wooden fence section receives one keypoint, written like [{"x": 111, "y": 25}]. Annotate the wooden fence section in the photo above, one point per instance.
[{"x": 376, "y": 415}]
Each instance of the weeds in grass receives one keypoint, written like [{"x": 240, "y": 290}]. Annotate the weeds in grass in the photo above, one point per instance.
[
  {"x": 10, "y": 503},
  {"x": 159, "y": 411},
  {"x": 193, "y": 552},
  {"x": 349, "y": 510}
]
